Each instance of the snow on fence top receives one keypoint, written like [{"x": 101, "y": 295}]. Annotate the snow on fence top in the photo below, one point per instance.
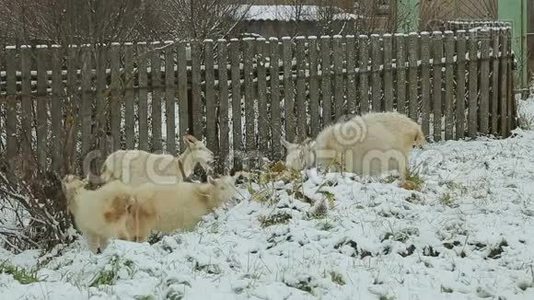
[{"x": 455, "y": 84}]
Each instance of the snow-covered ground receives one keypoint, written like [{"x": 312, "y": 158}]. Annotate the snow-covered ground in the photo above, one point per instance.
[{"x": 469, "y": 233}]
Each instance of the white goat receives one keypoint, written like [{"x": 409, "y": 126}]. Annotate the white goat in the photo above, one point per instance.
[
  {"x": 167, "y": 208},
  {"x": 368, "y": 145},
  {"x": 99, "y": 214},
  {"x": 135, "y": 167}
]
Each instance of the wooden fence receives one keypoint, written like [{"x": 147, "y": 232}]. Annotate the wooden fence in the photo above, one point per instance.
[{"x": 241, "y": 96}]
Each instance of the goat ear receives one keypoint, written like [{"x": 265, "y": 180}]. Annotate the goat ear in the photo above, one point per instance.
[
  {"x": 308, "y": 140},
  {"x": 285, "y": 143},
  {"x": 211, "y": 180},
  {"x": 189, "y": 139}
]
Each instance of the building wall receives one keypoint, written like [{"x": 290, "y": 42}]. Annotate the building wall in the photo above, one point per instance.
[{"x": 530, "y": 38}]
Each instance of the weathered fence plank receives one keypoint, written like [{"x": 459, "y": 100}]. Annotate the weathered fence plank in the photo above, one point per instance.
[
  {"x": 276, "y": 124},
  {"x": 339, "y": 88},
  {"x": 142, "y": 59},
  {"x": 42, "y": 99},
  {"x": 315, "y": 120},
  {"x": 102, "y": 107},
  {"x": 363, "y": 54},
  {"x": 71, "y": 109},
  {"x": 56, "y": 110},
  {"x": 504, "y": 82},
  {"x": 115, "y": 98},
  {"x": 86, "y": 107},
  {"x": 197, "y": 119},
  {"x": 483, "y": 115},
  {"x": 413, "y": 57},
  {"x": 300, "y": 107},
  {"x": 460, "y": 83},
  {"x": 224, "y": 145},
  {"x": 449, "y": 85},
  {"x": 129, "y": 97},
  {"x": 289, "y": 90},
  {"x": 495, "y": 83},
  {"x": 211, "y": 101},
  {"x": 425, "y": 82},
  {"x": 388, "y": 72},
  {"x": 472, "y": 112},
  {"x": 400, "y": 41},
  {"x": 170, "y": 103},
  {"x": 437, "y": 50},
  {"x": 351, "y": 75},
  {"x": 183, "y": 102},
  {"x": 250, "y": 95},
  {"x": 237, "y": 139},
  {"x": 376, "y": 80},
  {"x": 12, "y": 145},
  {"x": 27, "y": 102},
  {"x": 326, "y": 82},
  {"x": 262, "y": 115}
]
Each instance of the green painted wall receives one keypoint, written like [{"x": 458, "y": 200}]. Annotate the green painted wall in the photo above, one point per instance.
[
  {"x": 515, "y": 11},
  {"x": 408, "y": 12}
]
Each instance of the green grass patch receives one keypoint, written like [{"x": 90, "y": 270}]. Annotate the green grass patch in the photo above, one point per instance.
[{"x": 19, "y": 274}]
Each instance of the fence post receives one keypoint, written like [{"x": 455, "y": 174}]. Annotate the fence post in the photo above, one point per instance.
[
  {"x": 222, "y": 71},
  {"x": 142, "y": 59},
  {"x": 363, "y": 53},
  {"x": 326, "y": 82},
  {"x": 250, "y": 98},
  {"x": 472, "y": 113},
  {"x": 274, "y": 75},
  {"x": 413, "y": 95},
  {"x": 495, "y": 81},
  {"x": 425, "y": 82},
  {"x": 289, "y": 92},
  {"x": 484, "y": 82},
  {"x": 42, "y": 99},
  {"x": 12, "y": 145},
  {"x": 183, "y": 102},
  {"x": 102, "y": 106},
  {"x": 511, "y": 116},
  {"x": 56, "y": 109},
  {"x": 86, "y": 107},
  {"x": 196, "y": 100},
  {"x": 315, "y": 116},
  {"x": 129, "y": 100},
  {"x": 300, "y": 107},
  {"x": 400, "y": 41},
  {"x": 351, "y": 75},
  {"x": 388, "y": 72},
  {"x": 263, "y": 117},
  {"x": 170, "y": 104},
  {"x": 460, "y": 83},
  {"x": 376, "y": 80},
  {"x": 449, "y": 84},
  {"x": 236, "y": 102},
  {"x": 437, "y": 45},
  {"x": 115, "y": 99},
  {"x": 504, "y": 82},
  {"x": 339, "y": 89},
  {"x": 27, "y": 102},
  {"x": 211, "y": 101}
]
